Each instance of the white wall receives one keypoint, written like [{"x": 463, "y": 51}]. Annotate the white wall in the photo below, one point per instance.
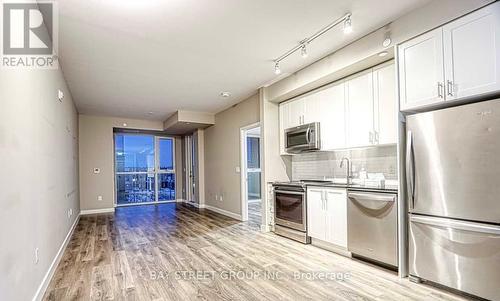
[
  {"x": 97, "y": 150},
  {"x": 222, "y": 154},
  {"x": 39, "y": 176}
]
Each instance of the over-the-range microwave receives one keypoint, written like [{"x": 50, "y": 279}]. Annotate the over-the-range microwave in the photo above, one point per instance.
[{"x": 303, "y": 138}]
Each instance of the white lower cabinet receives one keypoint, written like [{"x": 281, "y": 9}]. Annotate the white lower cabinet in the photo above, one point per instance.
[{"x": 327, "y": 215}]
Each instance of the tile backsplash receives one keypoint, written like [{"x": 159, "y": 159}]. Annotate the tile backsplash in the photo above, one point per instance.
[{"x": 320, "y": 165}]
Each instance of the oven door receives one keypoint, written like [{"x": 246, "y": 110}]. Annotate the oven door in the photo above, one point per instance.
[{"x": 290, "y": 209}]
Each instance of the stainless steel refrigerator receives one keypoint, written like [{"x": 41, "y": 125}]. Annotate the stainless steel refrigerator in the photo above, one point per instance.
[{"x": 453, "y": 184}]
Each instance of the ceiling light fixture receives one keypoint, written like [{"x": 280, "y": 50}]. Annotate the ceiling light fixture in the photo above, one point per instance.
[
  {"x": 387, "y": 42},
  {"x": 303, "y": 44},
  {"x": 225, "y": 94},
  {"x": 277, "y": 69},
  {"x": 303, "y": 51},
  {"x": 348, "y": 25}
]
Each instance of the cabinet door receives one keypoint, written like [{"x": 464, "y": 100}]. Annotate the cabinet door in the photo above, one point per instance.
[
  {"x": 331, "y": 104},
  {"x": 336, "y": 217},
  {"x": 472, "y": 54},
  {"x": 360, "y": 110},
  {"x": 315, "y": 213},
  {"x": 421, "y": 70},
  {"x": 297, "y": 112},
  {"x": 386, "y": 116},
  {"x": 312, "y": 109}
]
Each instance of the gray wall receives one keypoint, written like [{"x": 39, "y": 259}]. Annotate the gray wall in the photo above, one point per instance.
[
  {"x": 222, "y": 154},
  {"x": 39, "y": 178},
  {"x": 97, "y": 150},
  {"x": 317, "y": 165}
]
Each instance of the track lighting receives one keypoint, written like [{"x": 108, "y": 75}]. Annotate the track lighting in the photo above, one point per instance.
[
  {"x": 303, "y": 51},
  {"x": 348, "y": 25},
  {"x": 302, "y": 45},
  {"x": 277, "y": 69}
]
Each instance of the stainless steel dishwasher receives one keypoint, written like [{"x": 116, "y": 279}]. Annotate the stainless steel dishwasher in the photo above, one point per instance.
[{"x": 372, "y": 226}]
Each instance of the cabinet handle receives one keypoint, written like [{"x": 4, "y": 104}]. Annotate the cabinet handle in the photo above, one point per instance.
[
  {"x": 440, "y": 90},
  {"x": 449, "y": 87}
]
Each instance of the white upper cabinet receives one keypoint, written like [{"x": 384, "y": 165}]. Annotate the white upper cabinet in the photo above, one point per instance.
[
  {"x": 297, "y": 111},
  {"x": 330, "y": 109},
  {"x": 386, "y": 113},
  {"x": 360, "y": 109},
  {"x": 472, "y": 54},
  {"x": 458, "y": 61},
  {"x": 421, "y": 70}
]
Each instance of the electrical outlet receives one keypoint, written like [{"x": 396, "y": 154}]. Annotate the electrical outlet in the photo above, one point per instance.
[
  {"x": 99, "y": 197},
  {"x": 37, "y": 258}
]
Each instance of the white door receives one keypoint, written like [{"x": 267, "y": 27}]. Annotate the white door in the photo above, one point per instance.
[
  {"x": 386, "y": 121},
  {"x": 297, "y": 112},
  {"x": 360, "y": 109},
  {"x": 315, "y": 213},
  {"x": 331, "y": 104},
  {"x": 421, "y": 70},
  {"x": 472, "y": 54},
  {"x": 336, "y": 216}
]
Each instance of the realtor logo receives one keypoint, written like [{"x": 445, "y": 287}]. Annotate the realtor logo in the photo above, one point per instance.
[{"x": 29, "y": 35}]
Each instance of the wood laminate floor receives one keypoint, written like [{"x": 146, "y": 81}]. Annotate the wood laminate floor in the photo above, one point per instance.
[
  {"x": 254, "y": 214},
  {"x": 175, "y": 252}
]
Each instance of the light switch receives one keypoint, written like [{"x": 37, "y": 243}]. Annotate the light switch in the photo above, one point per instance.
[{"x": 237, "y": 169}]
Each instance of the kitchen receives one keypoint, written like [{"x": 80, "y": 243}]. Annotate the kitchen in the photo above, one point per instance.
[
  {"x": 382, "y": 163},
  {"x": 251, "y": 150}
]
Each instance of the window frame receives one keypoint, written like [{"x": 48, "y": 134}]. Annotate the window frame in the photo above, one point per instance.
[{"x": 156, "y": 167}]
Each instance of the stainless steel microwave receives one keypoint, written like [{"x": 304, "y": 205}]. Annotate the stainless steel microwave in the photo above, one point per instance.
[{"x": 303, "y": 138}]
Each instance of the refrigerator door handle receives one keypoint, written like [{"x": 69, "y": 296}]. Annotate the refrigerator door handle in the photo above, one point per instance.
[
  {"x": 456, "y": 224},
  {"x": 410, "y": 170}
]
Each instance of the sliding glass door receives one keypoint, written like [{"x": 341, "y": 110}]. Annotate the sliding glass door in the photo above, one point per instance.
[
  {"x": 166, "y": 172},
  {"x": 144, "y": 169}
]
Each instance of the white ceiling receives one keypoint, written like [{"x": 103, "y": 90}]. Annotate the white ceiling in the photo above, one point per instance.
[{"x": 130, "y": 57}]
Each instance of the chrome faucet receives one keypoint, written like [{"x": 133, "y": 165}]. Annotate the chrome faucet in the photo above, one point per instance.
[{"x": 348, "y": 173}]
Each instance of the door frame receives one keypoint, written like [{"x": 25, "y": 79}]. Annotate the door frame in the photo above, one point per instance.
[
  {"x": 190, "y": 172},
  {"x": 243, "y": 168}
]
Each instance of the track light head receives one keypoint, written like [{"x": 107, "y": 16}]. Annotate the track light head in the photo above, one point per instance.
[
  {"x": 303, "y": 51},
  {"x": 348, "y": 25},
  {"x": 277, "y": 69}
]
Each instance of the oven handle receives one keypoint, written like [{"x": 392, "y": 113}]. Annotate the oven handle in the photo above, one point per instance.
[{"x": 289, "y": 192}]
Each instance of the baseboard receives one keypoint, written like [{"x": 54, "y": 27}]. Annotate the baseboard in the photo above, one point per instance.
[
  {"x": 96, "y": 211},
  {"x": 330, "y": 247},
  {"x": 265, "y": 228},
  {"x": 199, "y": 206},
  {"x": 224, "y": 212},
  {"x": 52, "y": 269}
]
